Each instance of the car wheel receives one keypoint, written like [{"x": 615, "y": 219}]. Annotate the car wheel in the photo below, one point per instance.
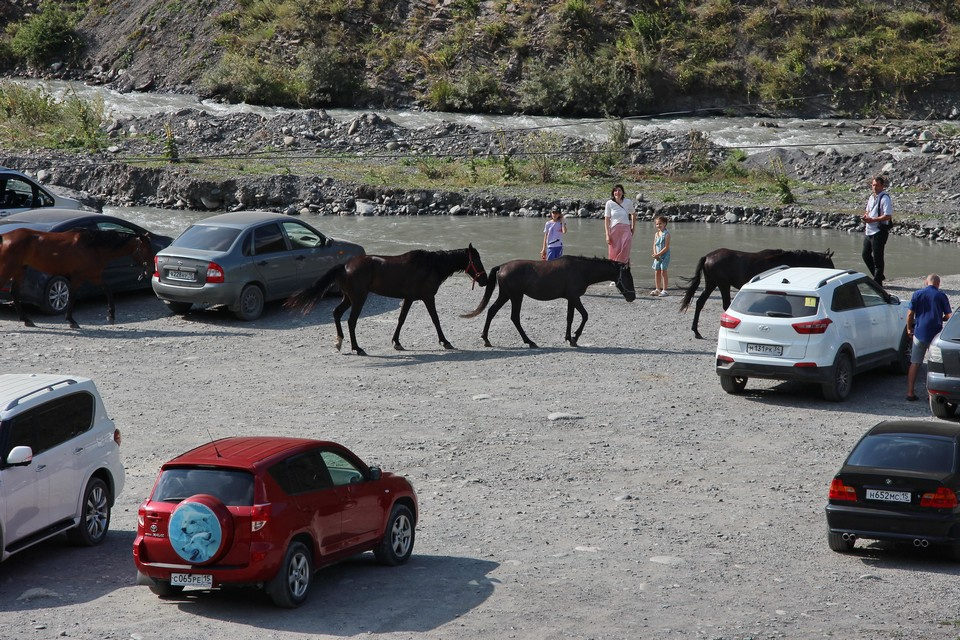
[
  {"x": 56, "y": 296},
  {"x": 733, "y": 384},
  {"x": 397, "y": 543},
  {"x": 902, "y": 364},
  {"x": 840, "y": 385},
  {"x": 942, "y": 409},
  {"x": 178, "y": 308},
  {"x": 164, "y": 589},
  {"x": 94, "y": 515},
  {"x": 838, "y": 544},
  {"x": 290, "y": 586},
  {"x": 250, "y": 305}
]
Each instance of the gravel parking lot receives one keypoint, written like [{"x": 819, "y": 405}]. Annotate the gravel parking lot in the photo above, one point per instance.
[{"x": 609, "y": 491}]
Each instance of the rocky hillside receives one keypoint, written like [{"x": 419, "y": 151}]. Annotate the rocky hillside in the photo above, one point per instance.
[{"x": 572, "y": 57}]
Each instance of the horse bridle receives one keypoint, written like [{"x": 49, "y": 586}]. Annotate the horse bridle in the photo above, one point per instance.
[
  {"x": 476, "y": 272},
  {"x": 620, "y": 285}
]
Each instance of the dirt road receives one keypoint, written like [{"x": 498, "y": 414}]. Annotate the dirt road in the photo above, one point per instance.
[{"x": 610, "y": 491}]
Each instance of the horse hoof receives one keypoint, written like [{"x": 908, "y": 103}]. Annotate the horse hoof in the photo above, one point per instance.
[
  {"x": 486, "y": 343},
  {"x": 447, "y": 345},
  {"x": 339, "y": 344},
  {"x": 74, "y": 325},
  {"x": 360, "y": 352},
  {"x": 533, "y": 345},
  {"x": 398, "y": 347},
  {"x": 573, "y": 343},
  {"x": 697, "y": 334},
  {"x": 28, "y": 323}
]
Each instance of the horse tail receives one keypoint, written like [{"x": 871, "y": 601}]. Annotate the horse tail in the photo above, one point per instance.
[
  {"x": 307, "y": 299},
  {"x": 694, "y": 284},
  {"x": 491, "y": 285}
]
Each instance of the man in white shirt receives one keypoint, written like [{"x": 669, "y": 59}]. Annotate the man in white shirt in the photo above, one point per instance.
[{"x": 877, "y": 220}]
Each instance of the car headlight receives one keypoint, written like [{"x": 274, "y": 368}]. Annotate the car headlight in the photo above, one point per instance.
[{"x": 935, "y": 354}]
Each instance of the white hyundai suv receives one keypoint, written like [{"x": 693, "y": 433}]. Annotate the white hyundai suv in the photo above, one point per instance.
[
  {"x": 60, "y": 464},
  {"x": 811, "y": 324}
]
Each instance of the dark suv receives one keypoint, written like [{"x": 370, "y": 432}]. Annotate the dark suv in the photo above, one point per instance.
[{"x": 267, "y": 512}]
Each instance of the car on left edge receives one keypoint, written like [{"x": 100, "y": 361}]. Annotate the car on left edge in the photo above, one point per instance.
[
  {"x": 60, "y": 468},
  {"x": 899, "y": 484},
  {"x": 18, "y": 193},
  {"x": 266, "y": 512},
  {"x": 51, "y": 294}
]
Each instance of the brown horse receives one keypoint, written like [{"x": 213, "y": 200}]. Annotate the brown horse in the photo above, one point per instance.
[
  {"x": 79, "y": 256},
  {"x": 415, "y": 275},
  {"x": 726, "y": 268},
  {"x": 567, "y": 277}
]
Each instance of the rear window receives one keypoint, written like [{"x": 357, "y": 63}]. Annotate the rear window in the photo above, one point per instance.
[
  {"x": 773, "y": 304},
  {"x": 207, "y": 238},
  {"x": 232, "y": 487},
  {"x": 910, "y": 452}
]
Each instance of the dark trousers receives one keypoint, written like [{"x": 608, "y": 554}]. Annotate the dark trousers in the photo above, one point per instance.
[{"x": 873, "y": 253}]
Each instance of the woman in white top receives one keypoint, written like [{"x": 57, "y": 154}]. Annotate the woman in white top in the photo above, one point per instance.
[{"x": 619, "y": 221}]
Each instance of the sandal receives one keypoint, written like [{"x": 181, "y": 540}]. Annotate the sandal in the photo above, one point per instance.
[
  {"x": 912, "y": 398},
  {"x": 655, "y": 293}
]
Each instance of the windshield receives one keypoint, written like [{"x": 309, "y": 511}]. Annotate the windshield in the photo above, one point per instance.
[
  {"x": 910, "y": 452},
  {"x": 207, "y": 238}
]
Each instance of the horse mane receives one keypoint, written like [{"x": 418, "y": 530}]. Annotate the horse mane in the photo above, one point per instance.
[{"x": 104, "y": 238}]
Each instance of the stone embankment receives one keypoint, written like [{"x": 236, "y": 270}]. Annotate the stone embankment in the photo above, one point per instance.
[{"x": 134, "y": 171}]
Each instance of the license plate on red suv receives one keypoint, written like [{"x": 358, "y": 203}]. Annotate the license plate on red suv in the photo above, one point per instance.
[{"x": 204, "y": 580}]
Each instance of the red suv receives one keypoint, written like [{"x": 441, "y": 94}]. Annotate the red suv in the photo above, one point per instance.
[{"x": 267, "y": 512}]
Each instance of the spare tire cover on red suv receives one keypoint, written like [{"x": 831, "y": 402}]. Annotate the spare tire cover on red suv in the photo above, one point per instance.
[{"x": 200, "y": 529}]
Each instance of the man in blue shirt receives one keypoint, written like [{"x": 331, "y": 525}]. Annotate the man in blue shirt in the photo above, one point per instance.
[{"x": 929, "y": 308}]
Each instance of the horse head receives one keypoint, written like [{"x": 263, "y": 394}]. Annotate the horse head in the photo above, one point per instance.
[
  {"x": 828, "y": 257},
  {"x": 474, "y": 267},
  {"x": 624, "y": 283}
]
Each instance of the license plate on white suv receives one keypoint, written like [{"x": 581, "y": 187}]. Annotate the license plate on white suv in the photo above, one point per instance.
[
  {"x": 204, "y": 580},
  {"x": 888, "y": 496},
  {"x": 765, "y": 349}
]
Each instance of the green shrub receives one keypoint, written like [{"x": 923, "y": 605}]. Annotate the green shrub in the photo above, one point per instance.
[
  {"x": 33, "y": 118},
  {"x": 440, "y": 95},
  {"x": 46, "y": 36},
  {"x": 478, "y": 91},
  {"x": 246, "y": 79},
  {"x": 331, "y": 77}
]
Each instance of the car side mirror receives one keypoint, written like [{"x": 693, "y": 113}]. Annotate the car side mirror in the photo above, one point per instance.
[
  {"x": 20, "y": 456},
  {"x": 894, "y": 299},
  {"x": 375, "y": 473}
]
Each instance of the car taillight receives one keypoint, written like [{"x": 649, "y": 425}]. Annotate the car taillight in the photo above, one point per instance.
[
  {"x": 840, "y": 491},
  {"x": 214, "y": 272},
  {"x": 728, "y": 322},
  {"x": 814, "y": 326},
  {"x": 259, "y": 515},
  {"x": 942, "y": 498},
  {"x": 141, "y": 515},
  {"x": 116, "y": 436},
  {"x": 156, "y": 267}
]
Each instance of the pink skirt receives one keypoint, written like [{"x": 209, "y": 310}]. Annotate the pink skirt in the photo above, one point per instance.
[{"x": 621, "y": 241}]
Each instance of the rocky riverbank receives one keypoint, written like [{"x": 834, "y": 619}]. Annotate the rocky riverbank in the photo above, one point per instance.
[{"x": 136, "y": 169}]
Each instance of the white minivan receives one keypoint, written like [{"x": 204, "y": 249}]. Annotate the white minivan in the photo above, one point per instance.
[{"x": 60, "y": 468}]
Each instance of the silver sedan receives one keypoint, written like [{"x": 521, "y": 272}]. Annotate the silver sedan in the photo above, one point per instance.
[{"x": 243, "y": 260}]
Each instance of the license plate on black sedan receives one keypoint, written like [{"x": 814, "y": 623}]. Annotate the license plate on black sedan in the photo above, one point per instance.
[
  {"x": 765, "y": 349},
  {"x": 182, "y": 276},
  {"x": 203, "y": 580},
  {"x": 883, "y": 495}
]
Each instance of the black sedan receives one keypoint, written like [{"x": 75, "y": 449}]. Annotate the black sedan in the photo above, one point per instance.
[
  {"x": 899, "y": 484},
  {"x": 52, "y": 294}
]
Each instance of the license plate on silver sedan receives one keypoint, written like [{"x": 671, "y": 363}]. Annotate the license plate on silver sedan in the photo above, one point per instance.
[
  {"x": 765, "y": 349},
  {"x": 183, "y": 276},
  {"x": 888, "y": 496},
  {"x": 204, "y": 580}
]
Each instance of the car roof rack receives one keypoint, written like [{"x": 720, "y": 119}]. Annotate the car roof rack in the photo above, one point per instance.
[
  {"x": 50, "y": 387},
  {"x": 768, "y": 272},
  {"x": 836, "y": 275}
]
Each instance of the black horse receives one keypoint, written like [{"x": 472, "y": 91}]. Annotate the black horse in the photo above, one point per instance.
[
  {"x": 415, "y": 275},
  {"x": 726, "y": 268},
  {"x": 567, "y": 277}
]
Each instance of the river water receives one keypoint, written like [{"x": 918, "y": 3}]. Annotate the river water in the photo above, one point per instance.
[{"x": 501, "y": 238}]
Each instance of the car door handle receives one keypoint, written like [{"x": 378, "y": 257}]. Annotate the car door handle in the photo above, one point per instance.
[
  {"x": 41, "y": 467},
  {"x": 263, "y": 263},
  {"x": 78, "y": 450}
]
